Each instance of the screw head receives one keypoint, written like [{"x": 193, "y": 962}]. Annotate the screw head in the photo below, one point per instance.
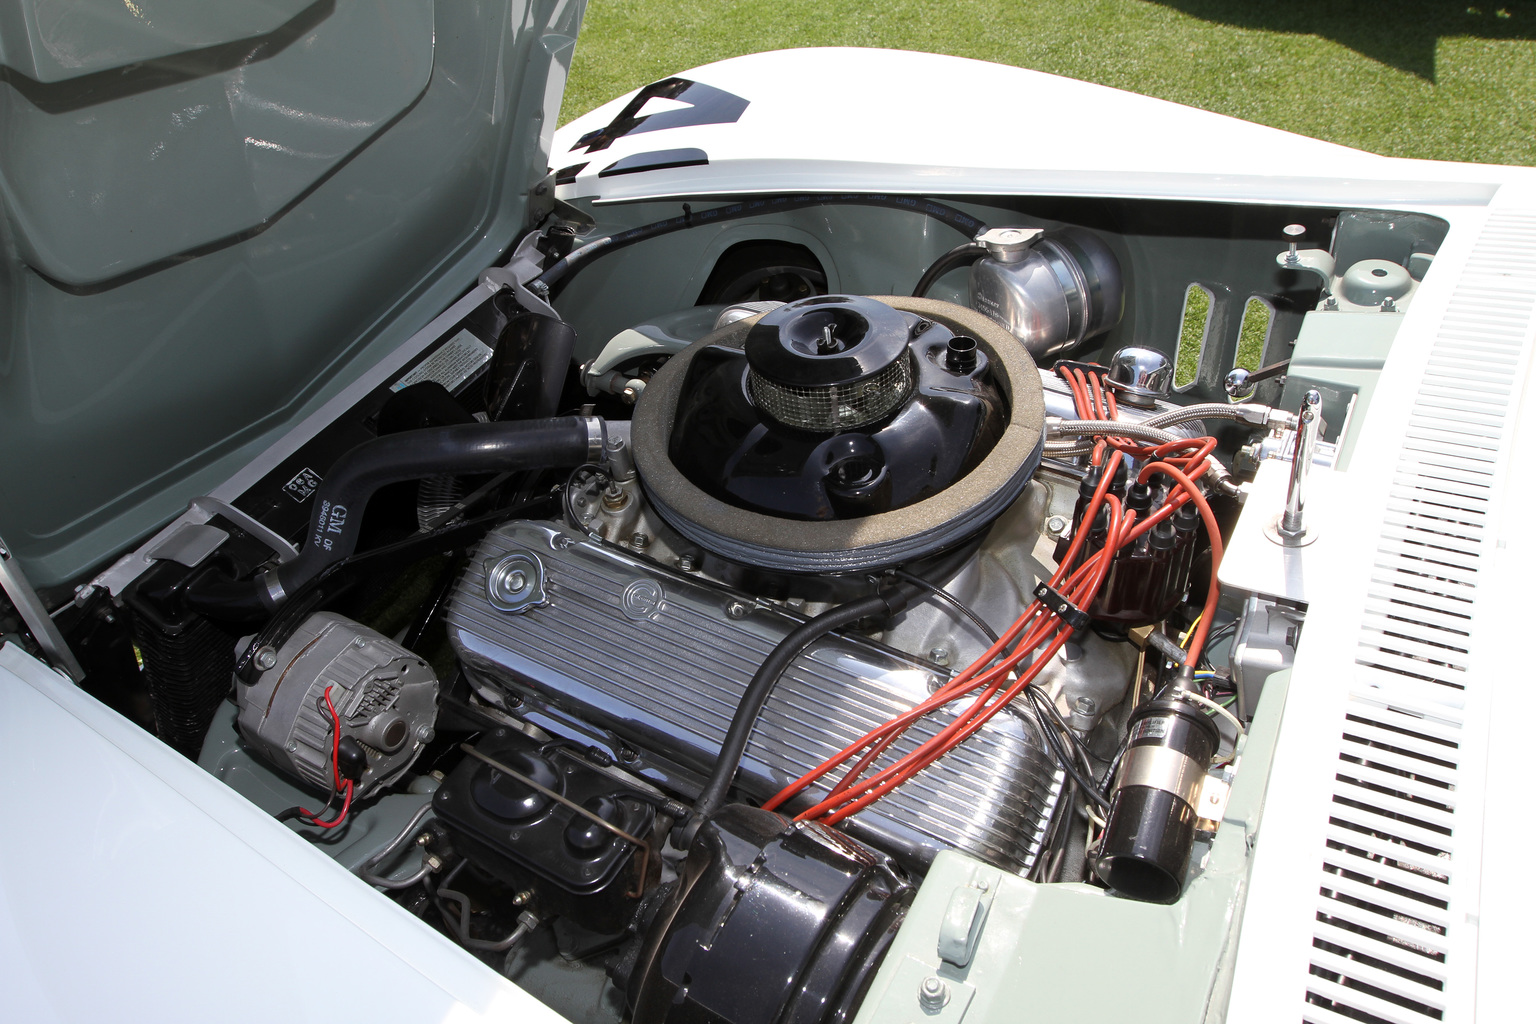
[
  {"x": 1294, "y": 231},
  {"x": 933, "y": 993},
  {"x": 1237, "y": 383},
  {"x": 939, "y": 655},
  {"x": 1085, "y": 705},
  {"x": 266, "y": 658},
  {"x": 737, "y": 610},
  {"x": 640, "y": 541},
  {"x": 687, "y": 563},
  {"x": 1056, "y": 526}
]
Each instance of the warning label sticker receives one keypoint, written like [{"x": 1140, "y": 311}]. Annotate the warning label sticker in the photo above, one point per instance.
[
  {"x": 459, "y": 359},
  {"x": 302, "y": 485}
]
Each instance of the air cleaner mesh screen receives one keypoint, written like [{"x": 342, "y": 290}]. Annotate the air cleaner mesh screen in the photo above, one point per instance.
[{"x": 835, "y": 406}]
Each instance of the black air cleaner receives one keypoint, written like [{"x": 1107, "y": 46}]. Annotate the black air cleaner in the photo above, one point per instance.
[{"x": 841, "y": 433}]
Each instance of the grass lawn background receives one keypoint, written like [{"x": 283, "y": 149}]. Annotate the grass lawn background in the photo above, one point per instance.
[{"x": 1435, "y": 79}]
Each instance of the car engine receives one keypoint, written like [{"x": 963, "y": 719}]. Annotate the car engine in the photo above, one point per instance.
[{"x": 670, "y": 658}]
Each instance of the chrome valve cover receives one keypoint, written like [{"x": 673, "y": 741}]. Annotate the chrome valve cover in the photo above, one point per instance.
[{"x": 652, "y": 663}]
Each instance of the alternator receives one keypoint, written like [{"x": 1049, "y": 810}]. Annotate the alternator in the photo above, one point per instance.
[{"x": 383, "y": 696}]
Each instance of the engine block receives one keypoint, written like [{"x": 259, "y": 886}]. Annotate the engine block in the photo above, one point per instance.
[{"x": 594, "y": 643}]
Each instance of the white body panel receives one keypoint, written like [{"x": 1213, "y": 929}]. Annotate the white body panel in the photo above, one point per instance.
[
  {"x": 876, "y": 120},
  {"x": 135, "y": 886}
]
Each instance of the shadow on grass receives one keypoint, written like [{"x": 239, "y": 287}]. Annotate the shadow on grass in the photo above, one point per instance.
[{"x": 1401, "y": 34}]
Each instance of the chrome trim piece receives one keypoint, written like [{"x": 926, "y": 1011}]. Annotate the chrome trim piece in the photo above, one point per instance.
[{"x": 1164, "y": 768}]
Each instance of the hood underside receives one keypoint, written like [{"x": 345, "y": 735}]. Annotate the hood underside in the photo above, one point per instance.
[{"x": 216, "y": 216}]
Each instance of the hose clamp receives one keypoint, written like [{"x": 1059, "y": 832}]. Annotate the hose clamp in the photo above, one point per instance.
[
  {"x": 271, "y": 589},
  {"x": 597, "y": 437}
]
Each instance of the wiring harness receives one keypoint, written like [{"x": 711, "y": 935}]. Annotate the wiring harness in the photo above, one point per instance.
[{"x": 1013, "y": 662}]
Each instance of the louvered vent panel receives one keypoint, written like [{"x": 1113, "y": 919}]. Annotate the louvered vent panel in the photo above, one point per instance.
[{"x": 1383, "y": 935}]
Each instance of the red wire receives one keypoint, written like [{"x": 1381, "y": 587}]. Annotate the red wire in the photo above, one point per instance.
[
  {"x": 968, "y": 721},
  {"x": 1079, "y": 400},
  {"x": 1184, "y": 461},
  {"x": 882, "y": 737},
  {"x": 1078, "y": 589},
  {"x": 335, "y": 740},
  {"x": 1213, "y": 531},
  {"x": 341, "y": 787},
  {"x": 346, "y": 804}
]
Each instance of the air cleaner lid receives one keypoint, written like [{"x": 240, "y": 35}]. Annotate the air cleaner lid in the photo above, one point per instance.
[{"x": 827, "y": 340}]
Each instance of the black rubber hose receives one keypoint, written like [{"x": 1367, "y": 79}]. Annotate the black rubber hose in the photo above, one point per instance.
[
  {"x": 889, "y": 602},
  {"x": 755, "y": 207},
  {"x": 465, "y": 448},
  {"x": 410, "y": 455},
  {"x": 960, "y": 256},
  {"x": 712, "y": 797}
]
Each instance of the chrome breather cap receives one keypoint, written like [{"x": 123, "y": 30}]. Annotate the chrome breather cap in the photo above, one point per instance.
[{"x": 1140, "y": 375}]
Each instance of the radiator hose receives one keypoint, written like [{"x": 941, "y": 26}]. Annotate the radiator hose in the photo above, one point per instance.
[{"x": 410, "y": 455}]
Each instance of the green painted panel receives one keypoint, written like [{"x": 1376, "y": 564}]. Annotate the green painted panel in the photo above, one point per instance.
[
  {"x": 118, "y": 402},
  {"x": 1072, "y": 952},
  {"x": 52, "y": 41}
]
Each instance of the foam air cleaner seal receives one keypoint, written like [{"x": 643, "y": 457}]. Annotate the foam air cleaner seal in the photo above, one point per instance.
[{"x": 841, "y": 433}]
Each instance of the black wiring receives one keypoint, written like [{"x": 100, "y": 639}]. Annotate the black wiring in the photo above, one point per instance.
[
  {"x": 1064, "y": 756},
  {"x": 954, "y": 603}
]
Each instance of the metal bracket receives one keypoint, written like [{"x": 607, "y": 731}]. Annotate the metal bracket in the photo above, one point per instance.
[
  {"x": 36, "y": 616},
  {"x": 522, "y": 268},
  {"x": 211, "y": 506},
  {"x": 1058, "y": 605}
]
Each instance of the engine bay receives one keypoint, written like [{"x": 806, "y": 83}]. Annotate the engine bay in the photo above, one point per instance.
[{"x": 669, "y": 613}]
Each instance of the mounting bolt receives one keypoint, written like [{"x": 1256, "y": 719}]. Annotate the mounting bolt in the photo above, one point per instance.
[
  {"x": 266, "y": 658},
  {"x": 933, "y": 994},
  {"x": 293, "y": 747},
  {"x": 1056, "y": 526},
  {"x": 1293, "y": 233},
  {"x": 737, "y": 609},
  {"x": 939, "y": 656},
  {"x": 627, "y": 755},
  {"x": 424, "y": 733},
  {"x": 1084, "y": 716},
  {"x": 640, "y": 541},
  {"x": 687, "y": 563},
  {"x": 615, "y": 497}
]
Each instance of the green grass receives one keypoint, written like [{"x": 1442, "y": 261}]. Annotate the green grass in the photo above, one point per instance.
[
  {"x": 1252, "y": 335},
  {"x": 1197, "y": 311},
  {"x": 1417, "y": 78}
]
